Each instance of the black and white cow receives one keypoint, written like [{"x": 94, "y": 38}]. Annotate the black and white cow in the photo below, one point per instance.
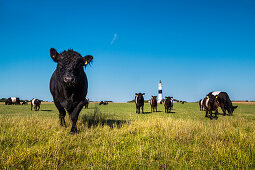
[
  {"x": 69, "y": 84},
  {"x": 86, "y": 103},
  {"x": 24, "y": 102},
  {"x": 36, "y": 103},
  {"x": 139, "y": 102},
  {"x": 12, "y": 100},
  {"x": 224, "y": 101},
  {"x": 103, "y": 103},
  {"x": 168, "y": 103},
  {"x": 201, "y": 104}
]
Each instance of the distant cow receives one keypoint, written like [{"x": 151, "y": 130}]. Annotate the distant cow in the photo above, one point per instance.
[
  {"x": 201, "y": 104},
  {"x": 36, "y": 103},
  {"x": 103, "y": 103},
  {"x": 139, "y": 102},
  {"x": 210, "y": 104},
  {"x": 86, "y": 103},
  {"x": 12, "y": 100},
  {"x": 224, "y": 101},
  {"x": 168, "y": 104},
  {"x": 69, "y": 84},
  {"x": 153, "y": 103},
  {"x": 24, "y": 103}
]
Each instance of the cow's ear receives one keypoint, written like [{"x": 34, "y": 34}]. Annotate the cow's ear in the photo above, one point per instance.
[
  {"x": 136, "y": 94},
  {"x": 87, "y": 59},
  {"x": 143, "y": 94},
  {"x": 54, "y": 54}
]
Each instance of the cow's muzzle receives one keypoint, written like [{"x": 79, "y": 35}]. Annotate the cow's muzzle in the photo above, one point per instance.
[{"x": 70, "y": 81}]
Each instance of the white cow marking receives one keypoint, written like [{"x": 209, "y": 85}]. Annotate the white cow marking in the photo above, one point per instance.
[
  {"x": 14, "y": 99},
  {"x": 216, "y": 93},
  {"x": 206, "y": 102},
  {"x": 33, "y": 101}
]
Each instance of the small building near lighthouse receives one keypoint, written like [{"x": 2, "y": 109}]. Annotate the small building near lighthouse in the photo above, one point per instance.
[{"x": 160, "y": 97}]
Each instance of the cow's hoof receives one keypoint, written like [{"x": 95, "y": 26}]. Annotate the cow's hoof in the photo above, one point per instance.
[
  {"x": 216, "y": 118},
  {"x": 206, "y": 116},
  {"x": 211, "y": 118}
]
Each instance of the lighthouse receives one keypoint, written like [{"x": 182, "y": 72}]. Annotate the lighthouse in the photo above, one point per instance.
[{"x": 160, "y": 91}]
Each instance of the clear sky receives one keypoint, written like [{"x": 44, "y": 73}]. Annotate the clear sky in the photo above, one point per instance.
[{"x": 194, "y": 47}]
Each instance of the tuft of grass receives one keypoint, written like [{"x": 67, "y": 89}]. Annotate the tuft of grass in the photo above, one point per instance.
[{"x": 113, "y": 136}]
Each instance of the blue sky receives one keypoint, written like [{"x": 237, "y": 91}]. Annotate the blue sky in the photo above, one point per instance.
[{"x": 194, "y": 47}]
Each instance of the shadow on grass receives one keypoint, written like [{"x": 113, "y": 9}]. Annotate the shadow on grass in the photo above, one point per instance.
[
  {"x": 46, "y": 110},
  {"x": 98, "y": 119}
]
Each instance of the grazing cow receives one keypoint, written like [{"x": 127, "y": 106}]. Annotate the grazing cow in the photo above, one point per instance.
[
  {"x": 13, "y": 100},
  {"x": 69, "y": 84},
  {"x": 36, "y": 103},
  {"x": 24, "y": 103},
  {"x": 225, "y": 102},
  {"x": 86, "y": 103},
  {"x": 153, "y": 103},
  {"x": 201, "y": 104},
  {"x": 210, "y": 104},
  {"x": 139, "y": 102},
  {"x": 168, "y": 104},
  {"x": 103, "y": 102}
]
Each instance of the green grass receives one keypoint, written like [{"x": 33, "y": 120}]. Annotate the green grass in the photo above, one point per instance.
[{"x": 115, "y": 137}]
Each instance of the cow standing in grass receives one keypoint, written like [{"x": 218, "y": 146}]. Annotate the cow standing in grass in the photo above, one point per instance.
[
  {"x": 69, "y": 84},
  {"x": 36, "y": 103},
  {"x": 12, "y": 100},
  {"x": 210, "y": 104},
  {"x": 168, "y": 103},
  {"x": 139, "y": 102},
  {"x": 201, "y": 104},
  {"x": 153, "y": 103},
  {"x": 224, "y": 101},
  {"x": 86, "y": 103}
]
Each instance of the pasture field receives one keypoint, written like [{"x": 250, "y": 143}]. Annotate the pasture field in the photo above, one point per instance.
[{"x": 113, "y": 136}]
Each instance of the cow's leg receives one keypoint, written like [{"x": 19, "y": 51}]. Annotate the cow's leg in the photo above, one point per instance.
[
  {"x": 216, "y": 112},
  {"x": 210, "y": 111},
  {"x": 222, "y": 106},
  {"x": 38, "y": 107},
  {"x": 31, "y": 106},
  {"x": 206, "y": 113},
  {"x": 142, "y": 109},
  {"x": 74, "y": 116},
  {"x": 62, "y": 113}
]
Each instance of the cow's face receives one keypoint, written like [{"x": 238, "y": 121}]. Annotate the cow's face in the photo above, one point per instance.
[
  {"x": 233, "y": 108},
  {"x": 154, "y": 97},
  {"x": 70, "y": 65}
]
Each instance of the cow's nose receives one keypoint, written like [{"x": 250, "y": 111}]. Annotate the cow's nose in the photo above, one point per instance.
[{"x": 68, "y": 79}]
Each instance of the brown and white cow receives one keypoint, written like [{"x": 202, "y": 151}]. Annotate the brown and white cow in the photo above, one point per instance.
[
  {"x": 153, "y": 103},
  {"x": 210, "y": 104}
]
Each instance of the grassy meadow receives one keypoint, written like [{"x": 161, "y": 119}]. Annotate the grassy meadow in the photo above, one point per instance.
[{"x": 113, "y": 136}]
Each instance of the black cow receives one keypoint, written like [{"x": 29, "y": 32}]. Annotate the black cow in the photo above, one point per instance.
[
  {"x": 69, "y": 84},
  {"x": 210, "y": 104},
  {"x": 36, "y": 103},
  {"x": 12, "y": 100},
  {"x": 139, "y": 102},
  {"x": 168, "y": 103},
  {"x": 86, "y": 103},
  {"x": 224, "y": 101},
  {"x": 153, "y": 103}
]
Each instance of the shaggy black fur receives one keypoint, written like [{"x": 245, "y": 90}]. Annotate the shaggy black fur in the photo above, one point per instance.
[{"x": 68, "y": 84}]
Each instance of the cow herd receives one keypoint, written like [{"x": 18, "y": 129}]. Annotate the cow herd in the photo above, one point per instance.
[
  {"x": 139, "y": 102},
  {"x": 16, "y": 101},
  {"x": 68, "y": 86},
  {"x": 213, "y": 101}
]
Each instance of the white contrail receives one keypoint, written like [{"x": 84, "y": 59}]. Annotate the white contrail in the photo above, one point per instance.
[{"x": 114, "y": 38}]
